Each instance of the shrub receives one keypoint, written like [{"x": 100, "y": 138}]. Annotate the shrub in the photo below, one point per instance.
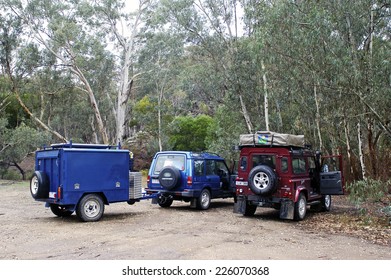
[{"x": 368, "y": 190}]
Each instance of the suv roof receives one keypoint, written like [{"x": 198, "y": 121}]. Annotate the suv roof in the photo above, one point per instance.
[{"x": 195, "y": 155}]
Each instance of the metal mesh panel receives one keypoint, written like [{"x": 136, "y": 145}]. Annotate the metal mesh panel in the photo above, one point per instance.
[{"x": 135, "y": 181}]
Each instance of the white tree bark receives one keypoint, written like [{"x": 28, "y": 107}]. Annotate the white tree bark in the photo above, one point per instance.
[
  {"x": 127, "y": 45},
  {"x": 317, "y": 117},
  {"x": 266, "y": 97},
  {"x": 361, "y": 153}
]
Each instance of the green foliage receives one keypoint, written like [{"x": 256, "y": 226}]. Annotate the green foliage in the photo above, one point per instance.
[
  {"x": 368, "y": 190},
  {"x": 191, "y": 58},
  {"x": 16, "y": 144},
  {"x": 190, "y": 133}
]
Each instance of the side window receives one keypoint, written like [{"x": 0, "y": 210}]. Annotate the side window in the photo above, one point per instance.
[
  {"x": 211, "y": 167},
  {"x": 221, "y": 168},
  {"x": 199, "y": 167},
  {"x": 284, "y": 164},
  {"x": 298, "y": 165},
  {"x": 311, "y": 163},
  {"x": 243, "y": 163}
]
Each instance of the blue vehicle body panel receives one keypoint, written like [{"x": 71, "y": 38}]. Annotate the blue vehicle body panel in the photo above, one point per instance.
[
  {"x": 199, "y": 181},
  {"x": 82, "y": 169}
]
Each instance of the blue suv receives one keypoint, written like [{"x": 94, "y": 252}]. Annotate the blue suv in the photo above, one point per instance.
[{"x": 191, "y": 177}]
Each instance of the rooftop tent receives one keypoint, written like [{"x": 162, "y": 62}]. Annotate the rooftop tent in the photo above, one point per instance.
[{"x": 268, "y": 138}]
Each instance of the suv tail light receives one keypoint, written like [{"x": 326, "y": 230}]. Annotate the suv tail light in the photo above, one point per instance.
[
  {"x": 148, "y": 179},
  {"x": 189, "y": 180}
]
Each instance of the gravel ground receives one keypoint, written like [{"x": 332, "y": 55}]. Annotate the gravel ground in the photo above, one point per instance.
[{"x": 29, "y": 231}]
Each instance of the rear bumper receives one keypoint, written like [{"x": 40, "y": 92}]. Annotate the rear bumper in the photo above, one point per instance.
[{"x": 176, "y": 194}]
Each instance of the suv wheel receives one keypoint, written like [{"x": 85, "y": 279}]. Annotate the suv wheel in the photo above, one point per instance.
[
  {"x": 300, "y": 207},
  {"x": 250, "y": 209},
  {"x": 203, "y": 202},
  {"x": 164, "y": 201},
  {"x": 326, "y": 202},
  {"x": 169, "y": 177},
  {"x": 262, "y": 180}
]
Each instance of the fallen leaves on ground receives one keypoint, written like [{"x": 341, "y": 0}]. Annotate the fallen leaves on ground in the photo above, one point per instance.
[{"x": 367, "y": 222}]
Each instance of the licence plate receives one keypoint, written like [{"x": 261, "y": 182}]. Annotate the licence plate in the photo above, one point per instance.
[{"x": 155, "y": 181}]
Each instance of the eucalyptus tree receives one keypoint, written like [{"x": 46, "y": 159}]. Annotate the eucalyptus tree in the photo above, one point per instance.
[
  {"x": 321, "y": 59},
  {"x": 58, "y": 27},
  {"x": 212, "y": 30},
  {"x": 19, "y": 59},
  {"x": 124, "y": 27}
]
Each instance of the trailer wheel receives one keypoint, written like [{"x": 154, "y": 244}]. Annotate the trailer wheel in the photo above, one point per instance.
[
  {"x": 300, "y": 208},
  {"x": 39, "y": 185},
  {"x": 60, "y": 211},
  {"x": 90, "y": 208}
]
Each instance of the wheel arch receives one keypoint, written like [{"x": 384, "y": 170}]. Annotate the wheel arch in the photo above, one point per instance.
[
  {"x": 299, "y": 191},
  {"x": 101, "y": 194}
]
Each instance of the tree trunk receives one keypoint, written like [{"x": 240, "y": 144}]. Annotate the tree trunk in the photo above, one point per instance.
[
  {"x": 317, "y": 118},
  {"x": 94, "y": 104},
  {"x": 361, "y": 153},
  {"x": 348, "y": 147},
  {"x": 246, "y": 115},
  {"x": 159, "y": 112},
  {"x": 266, "y": 97}
]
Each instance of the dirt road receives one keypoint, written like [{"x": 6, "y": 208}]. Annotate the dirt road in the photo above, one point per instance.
[{"x": 29, "y": 231}]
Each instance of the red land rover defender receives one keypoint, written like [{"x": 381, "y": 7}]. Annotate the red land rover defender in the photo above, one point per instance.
[{"x": 277, "y": 170}]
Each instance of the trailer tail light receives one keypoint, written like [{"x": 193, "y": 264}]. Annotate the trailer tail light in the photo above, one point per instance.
[
  {"x": 189, "y": 180},
  {"x": 59, "y": 193}
]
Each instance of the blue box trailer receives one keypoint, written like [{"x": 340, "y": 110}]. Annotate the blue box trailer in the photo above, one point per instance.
[{"x": 84, "y": 178}]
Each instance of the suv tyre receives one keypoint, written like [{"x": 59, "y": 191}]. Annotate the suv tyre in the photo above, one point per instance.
[
  {"x": 262, "y": 180},
  {"x": 169, "y": 177},
  {"x": 300, "y": 207},
  {"x": 326, "y": 203},
  {"x": 250, "y": 209},
  {"x": 164, "y": 201},
  {"x": 203, "y": 202}
]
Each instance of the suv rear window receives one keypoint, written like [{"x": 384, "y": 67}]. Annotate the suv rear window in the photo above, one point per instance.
[
  {"x": 162, "y": 161},
  {"x": 269, "y": 160}
]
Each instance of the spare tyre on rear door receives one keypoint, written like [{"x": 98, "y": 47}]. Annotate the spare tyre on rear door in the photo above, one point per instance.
[
  {"x": 262, "y": 180},
  {"x": 169, "y": 177},
  {"x": 39, "y": 185}
]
